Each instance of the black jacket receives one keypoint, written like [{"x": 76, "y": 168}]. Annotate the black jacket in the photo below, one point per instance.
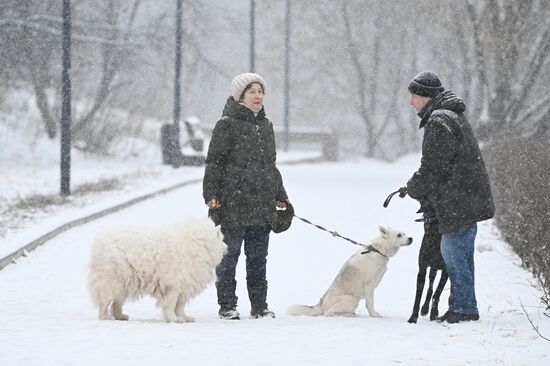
[
  {"x": 240, "y": 169},
  {"x": 452, "y": 174}
]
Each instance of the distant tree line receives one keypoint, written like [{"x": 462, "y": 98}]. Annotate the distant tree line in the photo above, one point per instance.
[
  {"x": 122, "y": 58},
  {"x": 494, "y": 54},
  {"x": 353, "y": 58}
]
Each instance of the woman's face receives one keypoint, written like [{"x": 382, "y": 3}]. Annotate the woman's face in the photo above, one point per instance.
[{"x": 254, "y": 97}]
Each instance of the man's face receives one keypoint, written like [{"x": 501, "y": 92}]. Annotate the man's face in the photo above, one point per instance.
[{"x": 418, "y": 102}]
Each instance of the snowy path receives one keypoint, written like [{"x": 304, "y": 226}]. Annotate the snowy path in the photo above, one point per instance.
[{"x": 46, "y": 317}]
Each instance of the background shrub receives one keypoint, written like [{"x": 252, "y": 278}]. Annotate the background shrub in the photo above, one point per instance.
[{"x": 519, "y": 168}]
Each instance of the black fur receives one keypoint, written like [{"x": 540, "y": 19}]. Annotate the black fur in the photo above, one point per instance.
[{"x": 429, "y": 256}]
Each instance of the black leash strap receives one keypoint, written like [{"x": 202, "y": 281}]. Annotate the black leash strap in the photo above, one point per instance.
[
  {"x": 369, "y": 248},
  {"x": 402, "y": 193}
]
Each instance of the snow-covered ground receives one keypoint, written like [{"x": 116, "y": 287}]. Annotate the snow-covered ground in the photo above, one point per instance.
[{"x": 46, "y": 316}]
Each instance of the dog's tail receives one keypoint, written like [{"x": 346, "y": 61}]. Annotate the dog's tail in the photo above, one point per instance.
[{"x": 305, "y": 310}]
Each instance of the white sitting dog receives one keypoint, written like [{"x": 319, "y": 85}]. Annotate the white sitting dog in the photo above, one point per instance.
[
  {"x": 173, "y": 264},
  {"x": 357, "y": 279}
]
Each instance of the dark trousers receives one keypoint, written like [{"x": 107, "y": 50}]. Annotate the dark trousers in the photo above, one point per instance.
[{"x": 256, "y": 241}]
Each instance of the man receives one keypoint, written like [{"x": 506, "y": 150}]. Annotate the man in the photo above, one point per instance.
[{"x": 453, "y": 179}]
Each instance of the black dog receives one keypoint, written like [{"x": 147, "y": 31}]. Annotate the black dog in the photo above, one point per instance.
[{"x": 429, "y": 256}]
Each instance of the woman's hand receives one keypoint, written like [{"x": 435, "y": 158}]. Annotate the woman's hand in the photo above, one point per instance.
[
  {"x": 213, "y": 203},
  {"x": 282, "y": 203}
]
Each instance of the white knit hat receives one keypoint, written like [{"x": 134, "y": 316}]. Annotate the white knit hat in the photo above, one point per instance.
[{"x": 240, "y": 82}]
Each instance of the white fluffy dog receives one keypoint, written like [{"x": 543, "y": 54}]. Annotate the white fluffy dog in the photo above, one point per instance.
[
  {"x": 357, "y": 279},
  {"x": 173, "y": 264}
]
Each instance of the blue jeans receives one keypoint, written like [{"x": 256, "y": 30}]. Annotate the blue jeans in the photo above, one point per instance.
[{"x": 457, "y": 249}]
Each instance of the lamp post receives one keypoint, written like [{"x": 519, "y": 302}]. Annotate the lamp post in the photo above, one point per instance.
[
  {"x": 252, "y": 35},
  {"x": 177, "y": 84},
  {"x": 66, "y": 104},
  {"x": 286, "y": 114},
  {"x": 177, "y": 73}
]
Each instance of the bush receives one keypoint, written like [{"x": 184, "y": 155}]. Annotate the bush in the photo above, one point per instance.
[{"x": 519, "y": 168}]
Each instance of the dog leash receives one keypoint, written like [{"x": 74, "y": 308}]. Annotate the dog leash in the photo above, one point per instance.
[
  {"x": 369, "y": 248},
  {"x": 402, "y": 193}
]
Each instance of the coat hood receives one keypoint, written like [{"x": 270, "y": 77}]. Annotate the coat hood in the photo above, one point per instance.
[
  {"x": 238, "y": 111},
  {"x": 444, "y": 100}
]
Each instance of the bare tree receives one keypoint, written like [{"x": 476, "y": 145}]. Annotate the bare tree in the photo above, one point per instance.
[
  {"x": 29, "y": 50},
  {"x": 511, "y": 43},
  {"x": 118, "y": 29},
  {"x": 363, "y": 82},
  {"x": 360, "y": 66},
  {"x": 36, "y": 28}
]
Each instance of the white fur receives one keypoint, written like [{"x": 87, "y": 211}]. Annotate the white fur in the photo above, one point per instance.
[
  {"x": 173, "y": 264},
  {"x": 357, "y": 279}
]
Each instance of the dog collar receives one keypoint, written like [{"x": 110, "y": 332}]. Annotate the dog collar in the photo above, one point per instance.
[{"x": 370, "y": 248}]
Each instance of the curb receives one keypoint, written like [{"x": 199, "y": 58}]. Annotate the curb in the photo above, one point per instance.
[{"x": 23, "y": 251}]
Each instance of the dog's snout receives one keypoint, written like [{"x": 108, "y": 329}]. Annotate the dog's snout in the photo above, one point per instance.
[{"x": 410, "y": 240}]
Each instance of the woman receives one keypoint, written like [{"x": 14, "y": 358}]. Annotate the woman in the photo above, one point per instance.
[{"x": 242, "y": 187}]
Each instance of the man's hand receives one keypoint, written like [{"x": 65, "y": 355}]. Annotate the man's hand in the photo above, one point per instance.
[{"x": 214, "y": 203}]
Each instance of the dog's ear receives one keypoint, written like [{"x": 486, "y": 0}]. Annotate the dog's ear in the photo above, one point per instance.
[{"x": 383, "y": 230}]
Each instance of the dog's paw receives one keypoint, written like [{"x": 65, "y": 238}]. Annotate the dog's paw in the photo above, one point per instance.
[
  {"x": 188, "y": 319},
  {"x": 180, "y": 319},
  {"x": 173, "y": 319},
  {"x": 374, "y": 314},
  {"x": 123, "y": 317}
]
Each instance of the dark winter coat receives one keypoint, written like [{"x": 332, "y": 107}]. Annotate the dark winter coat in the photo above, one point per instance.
[
  {"x": 240, "y": 168},
  {"x": 452, "y": 174}
]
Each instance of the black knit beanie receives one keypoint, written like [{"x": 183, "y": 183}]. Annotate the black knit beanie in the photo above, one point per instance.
[{"x": 426, "y": 84}]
